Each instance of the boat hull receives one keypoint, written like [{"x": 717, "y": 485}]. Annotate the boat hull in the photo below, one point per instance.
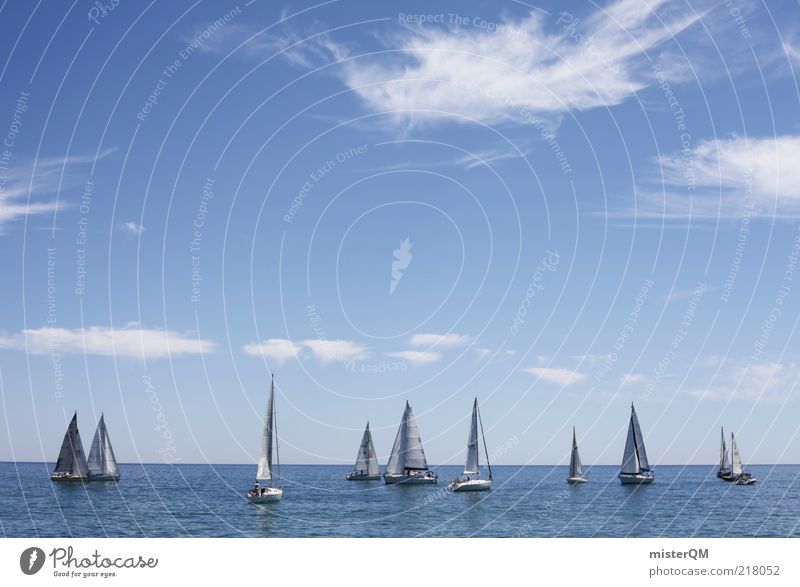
[
  {"x": 577, "y": 480},
  {"x": 351, "y": 476},
  {"x": 103, "y": 477},
  {"x": 270, "y": 494},
  {"x": 636, "y": 479},
  {"x": 723, "y": 473},
  {"x": 428, "y": 478},
  {"x": 67, "y": 478},
  {"x": 471, "y": 485}
]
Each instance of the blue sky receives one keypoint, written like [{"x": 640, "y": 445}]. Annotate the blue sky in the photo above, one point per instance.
[{"x": 558, "y": 210}]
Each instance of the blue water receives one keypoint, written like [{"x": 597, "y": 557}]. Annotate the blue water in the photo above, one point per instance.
[{"x": 205, "y": 500}]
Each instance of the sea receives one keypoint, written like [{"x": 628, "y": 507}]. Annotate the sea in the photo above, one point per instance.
[{"x": 525, "y": 501}]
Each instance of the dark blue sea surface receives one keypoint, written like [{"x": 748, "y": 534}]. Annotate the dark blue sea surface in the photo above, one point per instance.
[{"x": 208, "y": 500}]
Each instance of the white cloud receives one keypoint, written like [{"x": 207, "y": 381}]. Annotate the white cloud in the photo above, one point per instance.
[
  {"x": 556, "y": 375},
  {"x": 532, "y": 65},
  {"x": 769, "y": 381},
  {"x": 277, "y": 349},
  {"x": 132, "y": 228},
  {"x": 449, "y": 340},
  {"x": 27, "y": 181},
  {"x": 629, "y": 378},
  {"x": 725, "y": 176},
  {"x": 101, "y": 340},
  {"x": 417, "y": 357},
  {"x": 329, "y": 351}
]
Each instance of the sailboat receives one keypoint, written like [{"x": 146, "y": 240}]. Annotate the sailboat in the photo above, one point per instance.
[
  {"x": 635, "y": 467},
  {"x": 575, "y": 468},
  {"x": 71, "y": 464},
  {"x": 407, "y": 462},
  {"x": 259, "y": 493},
  {"x": 471, "y": 480},
  {"x": 737, "y": 471},
  {"x": 724, "y": 464},
  {"x": 102, "y": 464},
  {"x": 366, "y": 467}
]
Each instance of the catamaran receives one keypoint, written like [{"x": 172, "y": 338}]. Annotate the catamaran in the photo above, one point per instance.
[
  {"x": 635, "y": 467},
  {"x": 407, "y": 462},
  {"x": 724, "y": 464},
  {"x": 71, "y": 464},
  {"x": 737, "y": 470},
  {"x": 575, "y": 468},
  {"x": 366, "y": 467},
  {"x": 471, "y": 480},
  {"x": 102, "y": 463},
  {"x": 259, "y": 493}
]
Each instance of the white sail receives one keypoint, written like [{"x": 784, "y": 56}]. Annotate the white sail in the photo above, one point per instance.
[
  {"x": 644, "y": 465},
  {"x": 736, "y": 469},
  {"x": 631, "y": 459},
  {"x": 264, "y": 472},
  {"x": 101, "y": 455},
  {"x": 575, "y": 467},
  {"x": 407, "y": 453},
  {"x": 472, "y": 466},
  {"x": 367, "y": 461},
  {"x": 723, "y": 452},
  {"x": 71, "y": 458}
]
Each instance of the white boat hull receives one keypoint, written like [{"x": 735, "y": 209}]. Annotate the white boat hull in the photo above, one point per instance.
[
  {"x": 67, "y": 477},
  {"x": 471, "y": 485},
  {"x": 577, "y": 480},
  {"x": 639, "y": 479},
  {"x": 428, "y": 478},
  {"x": 269, "y": 494}
]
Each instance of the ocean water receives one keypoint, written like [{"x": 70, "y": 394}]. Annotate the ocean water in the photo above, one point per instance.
[{"x": 208, "y": 500}]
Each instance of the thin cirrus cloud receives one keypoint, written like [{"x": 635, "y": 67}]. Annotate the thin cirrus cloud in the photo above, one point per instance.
[
  {"x": 449, "y": 340},
  {"x": 130, "y": 342},
  {"x": 417, "y": 357},
  {"x": 531, "y": 65},
  {"x": 28, "y": 182},
  {"x": 326, "y": 351},
  {"x": 726, "y": 178},
  {"x": 556, "y": 375},
  {"x": 757, "y": 382}
]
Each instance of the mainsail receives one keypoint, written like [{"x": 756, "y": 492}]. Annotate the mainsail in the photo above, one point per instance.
[
  {"x": 367, "y": 460},
  {"x": 101, "y": 455},
  {"x": 723, "y": 452},
  {"x": 634, "y": 461},
  {"x": 407, "y": 453},
  {"x": 575, "y": 468},
  {"x": 472, "y": 467},
  {"x": 264, "y": 472},
  {"x": 737, "y": 469},
  {"x": 71, "y": 458}
]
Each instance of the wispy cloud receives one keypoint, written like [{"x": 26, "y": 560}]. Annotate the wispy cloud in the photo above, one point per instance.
[
  {"x": 130, "y": 341},
  {"x": 277, "y": 349},
  {"x": 448, "y": 340},
  {"x": 26, "y": 183},
  {"x": 328, "y": 351},
  {"x": 132, "y": 228},
  {"x": 630, "y": 378},
  {"x": 556, "y": 375},
  {"x": 768, "y": 381},
  {"x": 724, "y": 178},
  {"x": 417, "y": 357},
  {"x": 532, "y": 64}
]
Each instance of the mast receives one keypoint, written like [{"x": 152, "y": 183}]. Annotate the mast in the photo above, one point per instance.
[
  {"x": 372, "y": 460},
  {"x": 275, "y": 424},
  {"x": 723, "y": 451},
  {"x": 396, "y": 457},
  {"x": 575, "y": 467},
  {"x": 264, "y": 472},
  {"x": 485, "y": 450},
  {"x": 101, "y": 456},
  {"x": 472, "y": 466},
  {"x": 71, "y": 458}
]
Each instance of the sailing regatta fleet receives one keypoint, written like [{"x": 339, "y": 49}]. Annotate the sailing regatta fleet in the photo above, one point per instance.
[{"x": 407, "y": 464}]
